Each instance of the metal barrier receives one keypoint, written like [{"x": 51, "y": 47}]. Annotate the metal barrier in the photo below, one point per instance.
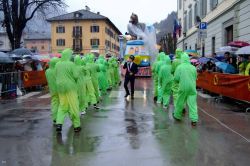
[
  {"x": 13, "y": 82},
  {"x": 9, "y": 82}
]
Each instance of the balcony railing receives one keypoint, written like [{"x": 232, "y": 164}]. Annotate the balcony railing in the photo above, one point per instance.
[
  {"x": 77, "y": 48},
  {"x": 76, "y": 34},
  {"x": 95, "y": 46}
]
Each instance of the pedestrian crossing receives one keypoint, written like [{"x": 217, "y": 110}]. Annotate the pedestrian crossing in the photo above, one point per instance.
[
  {"x": 29, "y": 95},
  {"x": 46, "y": 96},
  {"x": 32, "y": 95},
  {"x": 113, "y": 94},
  {"x": 120, "y": 94}
]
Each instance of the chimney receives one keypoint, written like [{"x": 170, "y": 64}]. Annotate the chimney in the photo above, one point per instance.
[
  {"x": 87, "y": 8},
  {"x": 98, "y": 13}
]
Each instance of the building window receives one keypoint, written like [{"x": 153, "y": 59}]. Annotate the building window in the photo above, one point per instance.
[
  {"x": 77, "y": 45},
  {"x": 60, "y": 42},
  {"x": 190, "y": 18},
  {"x": 94, "y": 29},
  {"x": 94, "y": 42},
  {"x": 185, "y": 24},
  {"x": 203, "y": 8},
  {"x": 107, "y": 43},
  {"x": 77, "y": 31},
  {"x": 109, "y": 33},
  {"x": 229, "y": 34},
  {"x": 213, "y": 45},
  {"x": 213, "y": 4},
  {"x": 60, "y": 29},
  {"x": 180, "y": 4},
  {"x": 195, "y": 13}
]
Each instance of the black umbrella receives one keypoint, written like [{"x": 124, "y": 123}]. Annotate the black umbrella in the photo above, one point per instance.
[
  {"x": 21, "y": 51},
  {"x": 16, "y": 57},
  {"x": 4, "y": 58}
]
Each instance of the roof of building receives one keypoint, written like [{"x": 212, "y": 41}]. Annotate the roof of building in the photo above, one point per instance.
[
  {"x": 37, "y": 36},
  {"x": 83, "y": 15}
]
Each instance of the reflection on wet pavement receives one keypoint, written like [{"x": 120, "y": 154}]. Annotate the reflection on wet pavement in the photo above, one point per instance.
[{"x": 124, "y": 132}]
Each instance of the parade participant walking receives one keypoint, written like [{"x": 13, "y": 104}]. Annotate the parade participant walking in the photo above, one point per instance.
[
  {"x": 102, "y": 79},
  {"x": 186, "y": 76},
  {"x": 67, "y": 91},
  {"x": 90, "y": 91},
  {"x": 131, "y": 70},
  {"x": 166, "y": 80},
  {"x": 175, "y": 64},
  {"x": 51, "y": 79},
  {"x": 81, "y": 85},
  {"x": 158, "y": 68},
  {"x": 94, "y": 70},
  {"x": 155, "y": 76}
]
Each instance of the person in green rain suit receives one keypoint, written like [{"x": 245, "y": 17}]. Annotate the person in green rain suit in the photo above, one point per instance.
[
  {"x": 94, "y": 70},
  {"x": 81, "y": 85},
  {"x": 90, "y": 91},
  {"x": 176, "y": 62},
  {"x": 166, "y": 80},
  {"x": 155, "y": 76},
  {"x": 51, "y": 79},
  {"x": 67, "y": 91},
  {"x": 186, "y": 76},
  {"x": 158, "y": 67},
  {"x": 111, "y": 72},
  {"x": 103, "y": 82},
  {"x": 116, "y": 72},
  {"x": 109, "y": 76}
]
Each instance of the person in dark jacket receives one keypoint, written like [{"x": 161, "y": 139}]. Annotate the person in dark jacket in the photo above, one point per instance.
[{"x": 131, "y": 70}]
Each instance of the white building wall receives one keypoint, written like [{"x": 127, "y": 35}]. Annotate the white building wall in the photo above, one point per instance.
[
  {"x": 244, "y": 21},
  {"x": 227, "y": 12}
]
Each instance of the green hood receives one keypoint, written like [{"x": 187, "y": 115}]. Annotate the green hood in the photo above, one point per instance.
[
  {"x": 101, "y": 57},
  {"x": 66, "y": 54},
  {"x": 185, "y": 58},
  {"x": 77, "y": 60},
  {"x": 91, "y": 58},
  {"x": 168, "y": 60},
  {"x": 178, "y": 53},
  {"x": 84, "y": 61},
  {"x": 162, "y": 56},
  {"x": 53, "y": 62}
]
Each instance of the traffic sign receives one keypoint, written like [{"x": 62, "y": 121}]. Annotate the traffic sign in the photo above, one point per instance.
[
  {"x": 203, "y": 25},
  {"x": 202, "y": 33}
]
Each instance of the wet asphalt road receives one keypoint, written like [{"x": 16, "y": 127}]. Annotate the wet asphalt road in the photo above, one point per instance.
[{"x": 124, "y": 133}]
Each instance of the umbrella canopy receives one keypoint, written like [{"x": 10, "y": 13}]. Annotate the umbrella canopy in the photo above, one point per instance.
[
  {"x": 16, "y": 57},
  {"x": 192, "y": 52},
  {"x": 56, "y": 55},
  {"x": 243, "y": 50},
  {"x": 4, "y": 58},
  {"x": 206, "y": 59},
  {"x": 44, "y": 58},
  {"x": 21, "y": 51},
  {"x": 193, "y": 60},
  {"x": 224, "y": 49},
  {"x": 225, "y": 67},
  {"x": 238, "y": 44}
]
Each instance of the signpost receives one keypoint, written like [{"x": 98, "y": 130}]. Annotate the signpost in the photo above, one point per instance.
[{"x": 202, "y": 34}]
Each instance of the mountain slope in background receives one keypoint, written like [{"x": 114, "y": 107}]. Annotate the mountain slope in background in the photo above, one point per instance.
[{"x": 165, "y": 26}]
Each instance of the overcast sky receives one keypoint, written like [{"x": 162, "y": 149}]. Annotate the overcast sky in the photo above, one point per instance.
[{"x": 119, "y": 11}]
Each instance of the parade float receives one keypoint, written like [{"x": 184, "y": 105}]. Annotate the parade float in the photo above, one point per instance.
[{"x": 140, "y": 41}]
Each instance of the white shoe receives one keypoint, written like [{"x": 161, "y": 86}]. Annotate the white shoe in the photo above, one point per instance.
[{"x": 83, "y": 112}]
